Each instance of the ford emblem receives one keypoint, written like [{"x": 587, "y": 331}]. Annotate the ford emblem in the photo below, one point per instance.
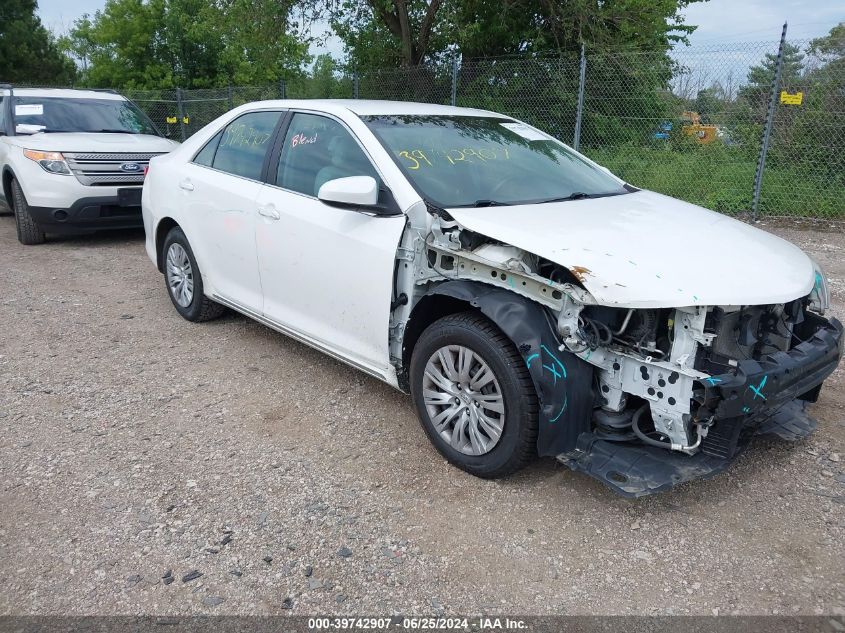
[{"x": 130, "y": 167}]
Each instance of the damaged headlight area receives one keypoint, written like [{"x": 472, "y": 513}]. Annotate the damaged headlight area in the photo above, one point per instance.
[{"x": 819, "y": 299}]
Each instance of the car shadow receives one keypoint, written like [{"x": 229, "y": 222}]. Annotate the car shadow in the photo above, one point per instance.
[{"x": 100, "y": 238}]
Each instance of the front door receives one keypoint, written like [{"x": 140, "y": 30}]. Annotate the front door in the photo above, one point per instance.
[{"x": 326, "y": 272}]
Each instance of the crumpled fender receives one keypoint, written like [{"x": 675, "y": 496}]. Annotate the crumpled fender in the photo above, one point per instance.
[{"x": 562, "y": 380}]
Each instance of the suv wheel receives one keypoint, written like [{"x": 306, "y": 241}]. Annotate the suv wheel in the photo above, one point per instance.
[
  {"x": 474, "y": 396},
  {"x": 29, "y": 232},
  {"x": 184, "y": 281}
]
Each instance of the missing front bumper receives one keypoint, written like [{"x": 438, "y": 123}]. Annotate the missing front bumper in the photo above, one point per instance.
[{"x": 766, "y": 396}]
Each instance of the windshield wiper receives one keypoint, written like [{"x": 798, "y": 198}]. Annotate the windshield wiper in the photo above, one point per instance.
[
  {"x": 112, "y": 131},
  {"x": 487, "y": 203},
  {"x": 580, "y": 195}
]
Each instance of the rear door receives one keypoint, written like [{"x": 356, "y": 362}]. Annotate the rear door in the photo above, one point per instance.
[
  {"x": 220, "y": 187},
  {"x": 326, "y": 272}
]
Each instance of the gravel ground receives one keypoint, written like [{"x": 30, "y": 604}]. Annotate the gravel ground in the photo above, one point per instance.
[{"x": 140, "y": 450}]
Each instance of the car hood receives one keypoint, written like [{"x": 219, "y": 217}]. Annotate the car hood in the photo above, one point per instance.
[
  {"x": 91, "y": 142},
  {"x": 646, "y": 250}
]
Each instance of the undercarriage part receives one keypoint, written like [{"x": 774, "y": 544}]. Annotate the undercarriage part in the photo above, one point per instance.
[
  {"x": 614, "y": 426},
  {"x": 790, "y": 423},
  {"x": 638, "y": 470},
  {"x": 563, "y": 381},
  {"x": 635, "y": 426}
]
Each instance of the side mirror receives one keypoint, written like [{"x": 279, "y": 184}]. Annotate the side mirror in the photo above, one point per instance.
[{"x": 354, "y": 191}]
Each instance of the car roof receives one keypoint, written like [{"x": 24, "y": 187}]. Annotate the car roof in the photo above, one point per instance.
[
  {"x": 369, "y": 107},
  {"x": 67, "y": 93}
]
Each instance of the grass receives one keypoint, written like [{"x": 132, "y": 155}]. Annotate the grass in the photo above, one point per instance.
[{"x": 722, "y": 178}]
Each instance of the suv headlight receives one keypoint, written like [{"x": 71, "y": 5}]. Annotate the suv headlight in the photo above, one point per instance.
[
  {"x": 820, "y": 295},
  {"x": 52, "y": 162}
]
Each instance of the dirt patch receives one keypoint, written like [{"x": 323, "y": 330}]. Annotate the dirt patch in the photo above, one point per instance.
[{"x": 135, "y": 443}]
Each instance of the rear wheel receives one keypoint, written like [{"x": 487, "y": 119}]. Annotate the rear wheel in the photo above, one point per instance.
[
  {"x": 29, "y": 232},
  {"x": 474, "y": 396},
  {"x": 184, "y": 281}
]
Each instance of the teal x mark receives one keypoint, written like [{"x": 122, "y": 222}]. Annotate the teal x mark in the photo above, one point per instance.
[{"x": 758, "y": 390}]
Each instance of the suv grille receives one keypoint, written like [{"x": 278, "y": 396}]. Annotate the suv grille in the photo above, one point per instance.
[{"x": 107, "y": 169}]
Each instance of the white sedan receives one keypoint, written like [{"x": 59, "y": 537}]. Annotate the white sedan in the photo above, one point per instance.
[{"x": 529, "y": 300}]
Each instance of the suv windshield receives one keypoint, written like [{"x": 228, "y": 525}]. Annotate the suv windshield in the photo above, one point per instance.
[
  {"x": 58, "y": 114},
  {"x": 467, "y": 161}
]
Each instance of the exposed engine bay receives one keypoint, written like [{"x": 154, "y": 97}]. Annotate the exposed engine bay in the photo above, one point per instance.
[{"x": 676, "y": 389}]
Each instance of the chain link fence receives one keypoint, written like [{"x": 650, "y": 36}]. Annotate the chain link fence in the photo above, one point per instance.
[
  {"x": 751, "y": 128},
  {"x": 179, "y": 113}
]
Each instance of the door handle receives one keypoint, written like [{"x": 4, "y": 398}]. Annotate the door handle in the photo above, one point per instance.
[
  {"x": 268, "y": 211},
  {"x": 187, "y": 185}
]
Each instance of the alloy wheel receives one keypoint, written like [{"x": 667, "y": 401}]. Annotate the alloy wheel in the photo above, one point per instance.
[
  {"x": 180, "y": 275},
  {"x": 464, "y": 400}
]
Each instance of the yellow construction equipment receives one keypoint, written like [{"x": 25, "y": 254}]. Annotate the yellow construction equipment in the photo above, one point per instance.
[{"x": 692, "y": 126}]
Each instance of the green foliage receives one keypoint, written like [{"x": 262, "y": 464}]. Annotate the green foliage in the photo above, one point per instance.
[
  {"x": 187, "y": 43},
  {"x": 721, "y": 178},
  {"x": 28, "y": 51},
  {"x": 755, "y": 94},
  {"x": 327, "y": 81},
  {"x": 380, "y": 34}
]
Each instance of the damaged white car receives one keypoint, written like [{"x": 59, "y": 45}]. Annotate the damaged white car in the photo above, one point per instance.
[{"x": 531, "y": 302}]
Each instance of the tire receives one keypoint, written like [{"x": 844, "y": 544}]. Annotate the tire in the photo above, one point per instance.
[
  {"x": 196, "y": 307},
  {"x": 516, "y": 445},
  {"x": 29, "y": 233}
]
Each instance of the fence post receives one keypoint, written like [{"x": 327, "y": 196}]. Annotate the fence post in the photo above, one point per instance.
[
  {"x": 283, "y": 89},
  {"x": 579, "y": 111},
  {"x": 355, "y": 84},
  {"x": 454, "y": 98},
  {"x": 767, "y": 130},
  {"x": 231, "y": 97},
  {"x": 180, "y": 106}
]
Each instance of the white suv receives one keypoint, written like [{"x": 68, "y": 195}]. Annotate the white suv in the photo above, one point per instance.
[{"x": 73, "y": 161}]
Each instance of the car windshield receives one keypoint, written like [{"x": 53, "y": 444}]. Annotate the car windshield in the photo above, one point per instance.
[
  {"x": 58, "y": 114},
  {"x": 471, "y": 161}
]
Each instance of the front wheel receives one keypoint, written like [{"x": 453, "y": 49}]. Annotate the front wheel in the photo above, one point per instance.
[
  {"x": 184, "y": 281},
  {"x": 474, "y": 395},
  {"x": 29, "y": 233}
]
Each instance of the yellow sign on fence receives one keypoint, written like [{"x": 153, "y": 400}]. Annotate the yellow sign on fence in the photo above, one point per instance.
[
  {"x": 172, "y": 119},
  {"x": 791, "y": 99}
]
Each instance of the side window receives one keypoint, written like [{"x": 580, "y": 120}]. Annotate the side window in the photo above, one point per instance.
[
  {"x": 244, "y": 143},
  {"x": 206, "y": 155},
  {"x": 3, "y": 114},
  {"x": 318, "y": 149}
]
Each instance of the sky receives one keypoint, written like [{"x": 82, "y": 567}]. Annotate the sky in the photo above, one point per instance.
[{"x": 719, "y": 21}]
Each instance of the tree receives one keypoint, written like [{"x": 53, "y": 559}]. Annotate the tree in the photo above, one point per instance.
[
  {"x": 708, "y": 104},
  {"x": 760, "y": 78},
  {"x": 188, "y": 43},
  {"x": 28, "y": 51},
  {"x": 391, "y": 33},
  {"x": 326, "y": 81},
  {"x": 817, "y": 132}
]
